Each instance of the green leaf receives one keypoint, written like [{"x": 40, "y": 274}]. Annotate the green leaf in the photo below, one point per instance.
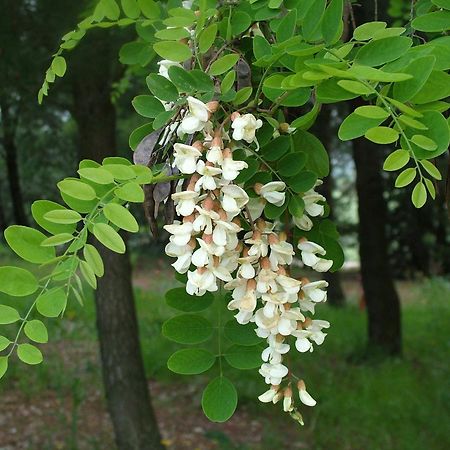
[
  {"x": 77, "y": 189},
  {"x": 17, "y": 282},
  {"x": 207, "y": 38},
  {"x": 242, "y": 95},
  {"x": 431, "y": 169},
  {"x": 120, "y": 172},
  {"x": 412, "y": 123},
  {"x": 332, "y": 21},
  {"x": 174, "y": 51},
  {"x": 291, "y": 164},
  {"x": 240, "y": 22},
  {"x": 187, "y": 329},
  {"x": 405, "y": 177},
  {"x": 172, "y": 34},
  {"x": 372, "y": 74},
  {"x": 182, "y": 79},
  {"x": 109, "y": 237},
  {"x": 382, "y": 135},
  {"x": 131, "y": 8},
  {"x": 88, "y": 274},
  {"x": 121, "y": 217},
  {"x": 424, "y": 142},
  {"x": 149, "y": 8},
  {"x": 261, "y": 47},
  {"x": 4, "y": 343},
  {"x": 191, "y": 361},
  {"x": 434, "y": 22},
  {"x": 138, "y": 134},
  {"x": 97, "y": 175},
  {"x": 372, "y": 112},
  {"x": 367, "y": 30},
  {"x": 36, "y": 331},
  {"x": 162, "y": 88},
  {"x": 52, "y": 303},
  {"x": 130, "y": 192},
  {"x": 286, "y": 28},
  {"x": 241, "y": 334},
  {"x": 26, "y": 242},
  {"x": 8, "y": 315},
  {"x": 302, "y": 182},
  {"x": 179, "y": 299},
  {"x": 219, "y": 399},
  {"x": 59, "y": 66},
  {"x": 29, "y": 354},
  {"x": 228, "y": 82},
  {"x": 312, "y": 20},
  {"x": 430, "y": 187},
  {"x": 223, "y": 64},
  {"x": 355, "y": 126},
  {"x": 136, "y": 53},
  {"x": 147, "y": 106},
  {"x": 317, "y": 156},
  {"x": 273, "y": 212},
  {"x": 356, "y": 87},
  {"x": 396, "y": 160},
  {"x": 3, "y": 365},
  {"x": 276, "y": 148},
  {"x": 419, "y": 195},
  {"x": 243, "y": 357},
  {"x": 58, "y": 239},
  {"x": 381, "y": 51},
  {"x": 445, "y": 4},
  {"x": 63, "y": 216},
  {"x": 93, "y": 258},
  {"x": 296, "y": 206},
  {"x": 40, "y": 207}
]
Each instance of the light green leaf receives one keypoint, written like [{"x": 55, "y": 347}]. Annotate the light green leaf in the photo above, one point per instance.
[
  {"x": 219, "y": 399},
  {"x": 36, "y": 331},
  {"x": 121, "y": 217},
  {"x": 356, "y": 87},
  {"x": 223, "y": 64},
  {"x": 29, "y": 354},
  {"x": 355, "y": 126},
  {"x": 131, "y": 8},
  {"x": 77, "y": 189},
  {"x": 26, "y": 242},
  {"x": 431, "y": 169},
  {"x": 8, "y": 315},
  {"x": 4, "y": 343},
  {"x": 396, "y": 160},
  {"x": 405, "y": 177},
  {"x": 240, "y": 22},
  {"x": 179, "y": 299},
  {"x": 286, "y": 28},
  {"x": 312, "y": 20},
  {"x": 207, "y": 38},
  {"x": 97, "y": 175},
  {"x": 372, "y": 74},
  {"x": 52, "y": 303},
  {"x": 367, "y": 30},
  {"x": 17, "y": 282},
  {"x": 228, "y": 82},
  {"x": 172, "y": 34},
  {"x": 109, "y": 237},
  {"x": 191, "y": 361},
  {"x": 424, "y": 142},
  {"x": 412, "y": 123},
  {"x": 149, "y": 8},
  {"x": 187, "y": 329},
  {"x": 88, "y": 274},
  {"x": 372, "y": 112},
  {"x": 40, "y": 207},
  {"x": 405, "y": 108},
  {"x": 120, "y": 172},
  {"x": 430, "y": 187},
  {"x": 59, "y": 66},
  {"x": 382, "y": 135},
  {"x": 130, "y": 192},
  {"x": 332, "y": 21},
  {"x": 3, "y": 365},
  {"x": 63, "y": 216},
  {"x": 174, "y": 51},
  {"x": 147, "y": 106},
  {"x": 242, "y": 95},
  {"x": 434, "y": 22},
  {"x": 381, "y": 51},
  {"x": 419, "y": 195},
  {"x": 58, "y": 239},
  {"x": 93, "y": 258}
]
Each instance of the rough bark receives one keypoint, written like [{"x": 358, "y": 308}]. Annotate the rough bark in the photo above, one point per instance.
[
  {"x": 125, "y": 384},
  {"x": 383, "y": 305},
  {"x": 9, "y": 123}
]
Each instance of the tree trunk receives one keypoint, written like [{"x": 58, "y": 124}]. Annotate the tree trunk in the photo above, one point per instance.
[
  {"x": 126, "y": 389},
  {"x": 12, "y": 167},
  {"x": 325, "y": 131},
  {"x": 383, "y": 305}
]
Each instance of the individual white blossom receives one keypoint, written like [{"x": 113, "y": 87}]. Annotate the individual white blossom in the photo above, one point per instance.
[
  {"x": 185, "y": 158},
  {"x": 309, "y": 251},
  {"x": 208, "y": 173},
  {"x": 273, "y": 373},
  {"x": 273, "y": 192},
  {"x": 200, "y": 281},
  {"x": 181, "y": 232},
  {"x": 196, "y": 117},
  {"x": 244, "y": 127},
  {"x": 185, "y": 202},
  {"x": 305, "y": 398},
  {"x": 234, "y": 198}
]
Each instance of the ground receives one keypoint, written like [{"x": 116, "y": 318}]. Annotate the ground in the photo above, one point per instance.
[{"x": 399, "y": 404}]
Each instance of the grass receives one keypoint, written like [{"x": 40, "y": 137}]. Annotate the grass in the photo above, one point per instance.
[{"x": 398, "y": 404}]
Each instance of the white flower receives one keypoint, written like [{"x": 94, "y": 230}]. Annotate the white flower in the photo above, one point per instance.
[
  {"x": 207, "y": 180},
  {"x": 273, "y": 192},
  {"x": 182, "y": 253},
  {"x": 224, "y": 232},
  {"x": 200, "y": 281},
  {"x": 181, "y": 232},
  {"x": 304, "y": 222},
  {"x": 287, "y": 323},
  {"x": 234, "y": 198},
  {"x": 266, "y": 281},
  {"x": 259, "y": 245},
  {"x": 204, "y": 221},
  {"x": 201, "y": 256},
  {"x": 273, "y": 373},
  {"x": 165, "y": 65},
  {"x": 276, "y": 348},
  {"x": 246, "y": 269},
  {"x": 269, "y": 395},
  {"x": 281, "y": 253},
  {"x": 244, "y": 127},
  {"x": 314, "y": 291},
  {"x": 309, "y": 252},
  {"x": 266, "y": 325},
  {"x": 288, "y": 405},
  {"x": 256, "y": 207},
  {"x": 229, "y": 260},
  {"x": 185, "y": 158},
  {"x": 305, "y": 398},
  {"x": 185, "y": 202},
  {"x": 290, "y": 285},
  {"x": 312, "y": 332},
  {"x": 311, "y": 198},
  {"x": 196, "y": 118},
  {"x": 231, "y": 168}
]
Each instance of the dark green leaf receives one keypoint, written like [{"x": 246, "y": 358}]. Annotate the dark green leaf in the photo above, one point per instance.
[
  {"x": 219, "y": 399},
  {"x": 191, "y": 361},
  {"x": 187, "y": 329}
]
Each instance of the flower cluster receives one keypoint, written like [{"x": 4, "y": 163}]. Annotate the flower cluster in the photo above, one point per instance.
[{"x": 210, "y": 245}]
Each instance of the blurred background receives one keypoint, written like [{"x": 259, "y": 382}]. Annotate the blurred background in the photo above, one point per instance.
[{"x": 381, "y": 378}]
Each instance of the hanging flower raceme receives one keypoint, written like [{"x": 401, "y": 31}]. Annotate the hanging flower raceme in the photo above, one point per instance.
[{"x": 212, "y": 248}]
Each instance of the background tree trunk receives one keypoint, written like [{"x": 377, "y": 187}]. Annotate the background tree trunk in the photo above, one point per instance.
[
  {"x": 383, "y": 305},
  {"x": 9, "y": 123},
  {"x": 124, "y": 378},
  {"x": 325, "y": 130}
]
